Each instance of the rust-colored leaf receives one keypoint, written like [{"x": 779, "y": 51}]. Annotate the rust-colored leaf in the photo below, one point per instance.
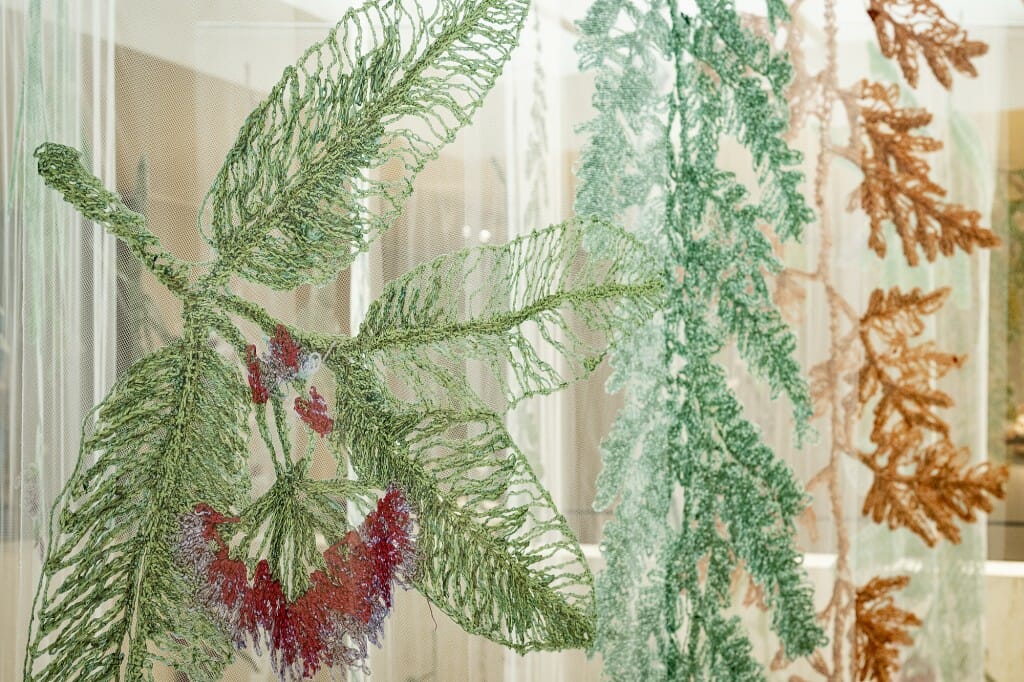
[
  {"x": 926, "y": 488},
  {"x": 910, "y": 29},
  {"x": 897, "y": 186},
  {"x": 922, "y": 481},
  {"x": 881, "y": 627}
]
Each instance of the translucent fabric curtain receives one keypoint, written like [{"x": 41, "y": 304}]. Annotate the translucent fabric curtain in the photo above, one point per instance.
[
  {"x": 58, "y": 310},
  {"x": 156, "y": 91}
]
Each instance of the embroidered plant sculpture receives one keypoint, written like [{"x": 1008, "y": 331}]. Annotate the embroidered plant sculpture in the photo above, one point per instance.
[
  {"x": 698, "y": 491},
  {"x": 159, "y": 555},
  {"x": 876, "y": 369}
]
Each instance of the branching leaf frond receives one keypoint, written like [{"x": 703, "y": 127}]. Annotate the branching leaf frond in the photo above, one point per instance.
[
  {"x": 897, "y": 187},
  {"x": 911, "y": 29}
]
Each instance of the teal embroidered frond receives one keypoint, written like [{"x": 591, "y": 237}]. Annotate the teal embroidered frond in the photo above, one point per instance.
[
  {"x": 698, "y": 491},
  {"x": 158, "y": 554}
]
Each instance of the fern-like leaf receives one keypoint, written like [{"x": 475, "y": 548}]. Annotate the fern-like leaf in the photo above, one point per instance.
[
  {"x": 682, "y": 446},
  {"x": 532, "y": 315},
  {"x": 881, "y": 627},
  {"x": 910, "y": 29},
  {"x": 325, "y": 163},
  {"x": 170, "y": 434},
  {"x": 897, "y": 186}
]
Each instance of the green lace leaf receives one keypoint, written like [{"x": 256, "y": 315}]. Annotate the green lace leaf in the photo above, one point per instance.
[
  {"x": 529, "y": 317},
  {"x": 325, "y": 163},
  {"x": 496, "y": 555},
  {"x": 113, "y": 598}
]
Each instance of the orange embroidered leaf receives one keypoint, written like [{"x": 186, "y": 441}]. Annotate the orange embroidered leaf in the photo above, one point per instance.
[
  {"x": 922, "y": 481},
  {"x": 880, "y": 628},
  {"x": 897, "y": 186},
  {"x": 909, "y": 29},
  {"x": 926, "y": 488}
]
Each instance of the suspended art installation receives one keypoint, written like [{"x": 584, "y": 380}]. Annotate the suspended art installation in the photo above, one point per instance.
[
  {"x": 700, "y": 496},
  {"x": 922, "y": 481},
  {"x": 159, "y": 555}
]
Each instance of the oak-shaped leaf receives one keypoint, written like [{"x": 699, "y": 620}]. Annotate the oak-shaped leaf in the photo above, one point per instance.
[
  {"x": 880, "y": 628},
  {"x": 898, "y": 372},
  {"x": 325, "y": 163},
  {"x": 897, "y": 188},
  {"x": 911, "y": 29},
  {"x": 922, "y": 481},
  {"x": 113, "y": 600}
]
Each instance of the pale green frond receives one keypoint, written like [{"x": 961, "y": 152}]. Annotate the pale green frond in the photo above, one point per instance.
[
  {"x": 696, "y": 488},
  {"x": 170, "y": 434},
  {"x": 326, "y": 162},
  {"x": 530, "y": 316}
]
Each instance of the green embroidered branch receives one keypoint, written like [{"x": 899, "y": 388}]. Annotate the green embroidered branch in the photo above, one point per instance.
[
  {"x": 698, "y": 491},
  {"x": 166, "y": 462}
]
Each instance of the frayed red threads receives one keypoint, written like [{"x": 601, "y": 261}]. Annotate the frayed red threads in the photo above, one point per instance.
[
  {"x": 332, "y": 622},
  {"x": 314, "y": 412},
  {"x": 260, "y": 394},
  {"x": 285, "y": 351}
]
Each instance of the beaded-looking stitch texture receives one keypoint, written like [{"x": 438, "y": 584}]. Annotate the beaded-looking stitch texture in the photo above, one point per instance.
[{"x": 698, "y": 491}]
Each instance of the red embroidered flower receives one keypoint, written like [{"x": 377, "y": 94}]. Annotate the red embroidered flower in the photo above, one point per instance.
[
  {"x": 331, "y": 623},
  {"x": 314, "y": 412},
  {"x": 260, "y": 394},
  {"x": 284, "y": 350}
]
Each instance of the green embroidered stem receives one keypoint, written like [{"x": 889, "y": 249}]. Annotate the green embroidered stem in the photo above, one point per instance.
[{"x": 61, "y": 168}]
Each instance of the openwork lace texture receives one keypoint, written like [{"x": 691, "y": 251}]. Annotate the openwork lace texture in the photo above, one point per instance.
[
  {"x": 158, "y": 553},
  {"x": 921, "y": 481},
  {"x": 697, "y": 490}
]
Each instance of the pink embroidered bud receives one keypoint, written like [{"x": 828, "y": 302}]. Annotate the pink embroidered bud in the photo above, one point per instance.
[{"x": 285, "y": 351}]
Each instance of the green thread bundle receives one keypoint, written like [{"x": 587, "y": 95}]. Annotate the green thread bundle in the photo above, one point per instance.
[
  {"x": 698, "y": 491},
  {"x": 300, "y": 194}
]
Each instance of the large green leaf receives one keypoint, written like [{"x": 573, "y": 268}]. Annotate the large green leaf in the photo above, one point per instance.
[
  {"x": 325, "y": 163},
  {"x": 496, "y": 554},
  {"x": 526, "y": 318},
  {"x": 113, "y": 598}
]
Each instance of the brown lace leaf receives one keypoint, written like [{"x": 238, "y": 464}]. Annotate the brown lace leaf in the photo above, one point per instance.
[
  {"x": 899, "y": 373},
  {"x": 922, "y": 481},
  {"x": 908, "y": 29},
  {"x": 881, "y": 627},
  {"x": 896, "y": 185},
  {"x": 927, "y": 488}
]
